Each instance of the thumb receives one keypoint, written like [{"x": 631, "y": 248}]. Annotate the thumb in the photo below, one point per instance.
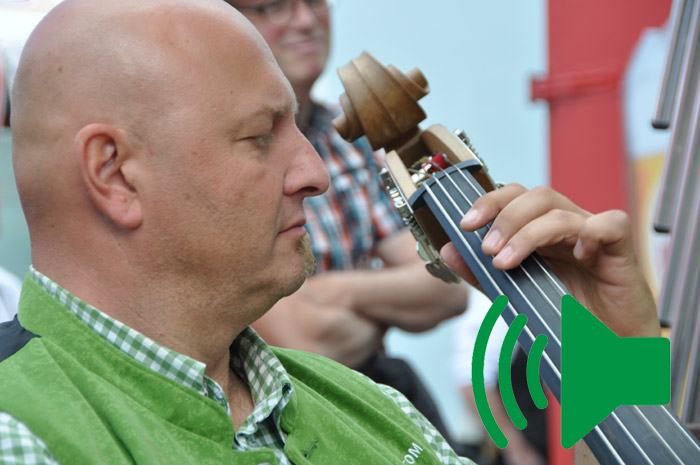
[{"x": 454, "y": 260}]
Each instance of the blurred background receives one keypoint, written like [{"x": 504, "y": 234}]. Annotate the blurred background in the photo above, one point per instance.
[{"x": 550, "y": 92}]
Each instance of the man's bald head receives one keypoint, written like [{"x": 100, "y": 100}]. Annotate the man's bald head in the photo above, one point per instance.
[
  {"x": 124, "y": 65},
  {"x": 94, "y": 59}
]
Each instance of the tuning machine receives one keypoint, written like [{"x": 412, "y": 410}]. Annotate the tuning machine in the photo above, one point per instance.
[{"x": 424, "y": 246}]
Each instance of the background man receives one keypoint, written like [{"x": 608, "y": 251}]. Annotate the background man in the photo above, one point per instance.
[{"x": 368, "y": 276}]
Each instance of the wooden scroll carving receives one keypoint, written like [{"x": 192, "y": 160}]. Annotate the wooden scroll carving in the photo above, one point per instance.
[{"x": 380, "y": 102}]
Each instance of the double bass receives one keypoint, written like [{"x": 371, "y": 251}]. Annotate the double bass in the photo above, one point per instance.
[{"x": 433, "y": 177}]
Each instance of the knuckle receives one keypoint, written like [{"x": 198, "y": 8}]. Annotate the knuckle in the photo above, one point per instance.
[
  {"x": 522, "y": 238},
  {"x": 619, "y": 218},
  {"x": 611, "y": 220},
  {"x": 542, "y": 190},
  {"x": 513, "y": 190},
  {"x": 546, "y": 195},
  {"x": 480, "y": 201},
  {"x": 560, "y": 215}
]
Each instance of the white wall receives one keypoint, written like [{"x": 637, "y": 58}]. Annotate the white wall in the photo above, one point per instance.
[{"x": 478, "y": 57}]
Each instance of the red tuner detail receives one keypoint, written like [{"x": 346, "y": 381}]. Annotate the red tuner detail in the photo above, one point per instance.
[{"x": 437, "y": 162}]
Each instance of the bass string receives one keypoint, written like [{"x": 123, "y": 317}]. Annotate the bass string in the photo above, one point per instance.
[
  {"x": 536, "y": 259},
  {"x": 528, "y": 331},
  {"x": 545, "y": 324},
  {"x": 651, "y": 425},
  {"x": 680, "y": 429},
  {"x": 454, "y": 226}
]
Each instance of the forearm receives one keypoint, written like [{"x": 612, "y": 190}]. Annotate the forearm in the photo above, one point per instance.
[
  {"x": 405, "y": 296},
  {"x": 331, "y": 331},
  {"x": 349, "y": 339}
]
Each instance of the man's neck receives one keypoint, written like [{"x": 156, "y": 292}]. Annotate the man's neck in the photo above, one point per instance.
[{"x": 237, "y": 390}]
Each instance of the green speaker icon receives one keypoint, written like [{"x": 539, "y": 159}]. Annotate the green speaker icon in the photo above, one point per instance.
[{"x": 599, "y": 371}]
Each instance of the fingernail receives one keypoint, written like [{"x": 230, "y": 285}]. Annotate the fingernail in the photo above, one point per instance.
[
  {"x": 492, "y": 239},
  {"x": 504, "y": 254},
  {"x": 471, "y": 216},
  {"x": 578, "y": 250}
]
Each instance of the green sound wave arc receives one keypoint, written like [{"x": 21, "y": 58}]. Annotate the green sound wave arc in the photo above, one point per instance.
[
  {"x": 504, "y": 380},
  {"x": 533, "y": 371},
  {"x": 504, "y": 372},
  {"x": 478, "y": 382}
]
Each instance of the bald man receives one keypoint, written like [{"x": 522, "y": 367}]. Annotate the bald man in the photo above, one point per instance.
[{"x": 162, "y": 177}]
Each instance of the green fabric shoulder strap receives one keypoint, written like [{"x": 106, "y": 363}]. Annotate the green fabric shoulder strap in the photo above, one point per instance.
[{"x": 340, "y": 416}]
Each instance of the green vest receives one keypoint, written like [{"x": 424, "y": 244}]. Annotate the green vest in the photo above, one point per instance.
[{"x": 92, "y": 404}]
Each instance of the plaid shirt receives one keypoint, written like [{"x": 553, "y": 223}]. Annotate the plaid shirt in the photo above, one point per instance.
[
  {"x": 347, "y": 221},
  {"x": 270, "y": 387}
]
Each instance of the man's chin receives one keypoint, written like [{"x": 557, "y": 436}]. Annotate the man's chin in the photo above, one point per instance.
[
  {"x": 301, "y": 273},
  {"x": 307, "y": 256}
]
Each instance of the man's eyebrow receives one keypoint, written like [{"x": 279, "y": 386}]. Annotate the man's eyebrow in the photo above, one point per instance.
[
  {"x": 291, "y": 106},
  {"x": 283, "y": 110}
]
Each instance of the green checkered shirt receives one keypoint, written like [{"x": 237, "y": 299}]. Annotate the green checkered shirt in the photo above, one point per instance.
[{"x": 251, "y": 358}]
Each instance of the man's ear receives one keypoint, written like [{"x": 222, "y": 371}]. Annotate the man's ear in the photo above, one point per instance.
[{"x": 102, "y": 152}]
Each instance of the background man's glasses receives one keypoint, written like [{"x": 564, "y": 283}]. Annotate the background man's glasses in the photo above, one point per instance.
[{"x": 281, "y": 11}]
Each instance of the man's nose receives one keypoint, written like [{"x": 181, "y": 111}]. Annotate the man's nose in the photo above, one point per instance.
[
  {"x": 303, "y": 14},
  {"x": 307, "y": 174}
]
